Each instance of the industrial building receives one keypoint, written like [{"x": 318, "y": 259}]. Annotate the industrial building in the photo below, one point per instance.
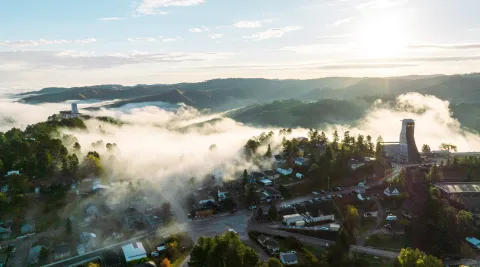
[
  {"x": 404, "y": 151},
  {"x": 469, "y": 193}
]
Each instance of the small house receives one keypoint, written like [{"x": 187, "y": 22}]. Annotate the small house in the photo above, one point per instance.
[
  {"x": 28, "y": 227},
  {"x": 134, "y": 251},
  {"x": 300, "y": 161},
  {"x": 271, "y": 174},
  {"x": 292, "y": 219},
  {"x": 61, "y": 251},
  {"x": 265, "y": 182},
  {"x": 391, "y": 192},
  {"x": 34, "y": 254},
  {"x": 13, "y": 173},
  {"x": 285, "y": 171},
  {"x": 355, "y": 164},
  {"x": 473, "y": 242},
  {"x": 5, "y": 188},
  {"x": 289, "y": 258},
  {"x": 81, "y": 249},
  {"x": 91, "y": 209}
]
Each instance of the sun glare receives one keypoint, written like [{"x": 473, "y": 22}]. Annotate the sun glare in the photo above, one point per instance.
[{"x": 382, "y": 37}]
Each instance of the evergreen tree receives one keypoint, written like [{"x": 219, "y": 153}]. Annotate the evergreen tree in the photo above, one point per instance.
[
  {"x": 272, "y": 212},
  {"x": 335, "y": 140},
  {"x": 68, "y": 227},
  {"x": 245, "y": 177},
  {"x": 435, "y": 174},
  {"x": 268, "y": 155}
]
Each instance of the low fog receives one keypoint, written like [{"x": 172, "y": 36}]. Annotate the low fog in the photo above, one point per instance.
[{"x": 160, "y": 140}]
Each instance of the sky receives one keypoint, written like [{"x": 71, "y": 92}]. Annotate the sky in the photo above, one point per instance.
[{"x": 87, "y": 42}]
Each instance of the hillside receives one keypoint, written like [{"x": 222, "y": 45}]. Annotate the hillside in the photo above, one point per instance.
[
  {"x": 296, "y": 113},
  {"x": 225, "y": 94}
]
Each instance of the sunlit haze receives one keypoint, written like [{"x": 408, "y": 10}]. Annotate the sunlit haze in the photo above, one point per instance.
[{"x": 65, "y": 43}]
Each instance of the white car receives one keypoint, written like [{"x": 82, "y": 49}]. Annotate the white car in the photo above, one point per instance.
[
  {"x": 315, "y": 193},
  {"x": 323, "y": 228},
  {"x": 339, "y": 196}
]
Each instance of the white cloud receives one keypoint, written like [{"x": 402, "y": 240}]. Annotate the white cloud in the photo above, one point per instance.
[
  {"x": 200, "y": 29},
  {"x": 110, "y": 18},
  {"x": 248, "y": 24},
  {"x": 381, "y": 3},
  {"x": 23, "y": 43},
  {"x": 271, "y": 33},
  {"x": 151, "y": 7},
  {"x": 88, "y": 60},
  {"x": 342, "y": 21},
  {"x": 142, "y": 39},
  {"x": 467, "y": 46},
  {"x": 155, "y": 39},
  {"x": 216, "y": 35}
]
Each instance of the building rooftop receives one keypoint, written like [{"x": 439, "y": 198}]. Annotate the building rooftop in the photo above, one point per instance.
[
  {"x": 134, "y": 251},
  {"x": 452, "y": 188},
  {"x": 289, "y": 256}
]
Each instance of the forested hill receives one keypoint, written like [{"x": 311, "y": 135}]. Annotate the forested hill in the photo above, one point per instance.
[
  {"x": 313, "y": 114},
  {"x": 224, "y": 94}
]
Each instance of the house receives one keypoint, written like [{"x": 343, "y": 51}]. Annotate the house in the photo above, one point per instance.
[
  {"x": 88, "y": 239},
  {"x": 5, "y": 230},
  {"x": 355, "y": 164},
  {"x": 5, "y": 188},
  {"x": 28, "y": 227},
  {"x": 270, "y": 244},
  {"x": 206, "y": 199},
  {"x": 285, "y": 171},
  {"x": 334, "y": 227},
  {"x": 222, "y": 195},
  {"x": 279, "y": 159},
  {"x": 301, "y": 161},
  {"x": 292, "y": 219},
  {"x": 269, "y": 194},
  {"x": 134, "y": 251},
  {"x": 91, "y": 209},
  {"x": 61, "y": 251},
  {"x": 33, "y": 254},
  {"x": 391, "y": 192},
  {"x": 81, "y": 249},
  {"x": 265, "y": 182},
  {"x": 257, "y": 175},
  {"x": 371, "y": 214},
  {"x": 289, "y": 258},
  {"x": 299, "y": 175},
  {"x": 13, "y": 173},
  {"x": 473, "y": 242},
  {"x": 271, "y": 174}
]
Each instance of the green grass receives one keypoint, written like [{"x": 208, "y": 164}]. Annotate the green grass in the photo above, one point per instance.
[{"x": 394, "y": 243}]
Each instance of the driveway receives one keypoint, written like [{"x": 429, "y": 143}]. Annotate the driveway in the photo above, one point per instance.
[{"x": 378, "y": 224}]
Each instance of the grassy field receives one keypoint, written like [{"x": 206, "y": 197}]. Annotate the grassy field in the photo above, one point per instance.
[{"x": 395, "y": 242}]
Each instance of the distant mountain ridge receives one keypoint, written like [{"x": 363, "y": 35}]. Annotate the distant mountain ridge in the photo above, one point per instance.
[{"x": 224, "y": 94}]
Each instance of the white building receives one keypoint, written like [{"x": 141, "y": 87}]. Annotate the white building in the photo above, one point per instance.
[
  {"x": 69, "y": 114},
  {"x": 265, "y": 182},
  {"x": 391, "y": 192},
  {"x": 206, "y": 199},
  {"x": 292, "y": 219},
  {"x": 13, "y": 173},
  {"x": 289, "y": 258},
  {"x": 285, "y": 171},
  {"x": 134, "y": 251}
]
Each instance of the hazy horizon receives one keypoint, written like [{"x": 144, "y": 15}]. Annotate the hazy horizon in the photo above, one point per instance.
[{"x": 169, "y": 41}]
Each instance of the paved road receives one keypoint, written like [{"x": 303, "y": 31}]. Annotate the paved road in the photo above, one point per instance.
[
  {"x": 309, "y": 197},
  {"x": 98, "y": 253},
  {"x": 323, "y": 243}
]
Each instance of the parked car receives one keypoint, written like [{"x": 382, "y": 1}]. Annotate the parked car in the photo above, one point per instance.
[
  {"x": 323, "y": 228},
  {"x": 252, "y": 207},
  {"x": 329, "y": 196},
  {"x": 339, "y": 196},
  {"x": 315, "y": 193},
  {"x": 322, "y": 191},
  {"x": 316, "y": 199}
]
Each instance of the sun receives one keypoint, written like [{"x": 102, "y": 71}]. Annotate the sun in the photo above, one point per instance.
[{"x": 382, "y": 36}]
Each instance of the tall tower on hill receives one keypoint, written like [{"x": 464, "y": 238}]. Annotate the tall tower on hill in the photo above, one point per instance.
[{"x": 408, "y": 151}]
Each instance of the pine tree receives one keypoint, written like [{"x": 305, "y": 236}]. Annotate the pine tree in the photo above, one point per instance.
[
  {"x": 335, "y": 140},
  {"x": 269, "y": 153},
  {"x": 68, "y": 227}
]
